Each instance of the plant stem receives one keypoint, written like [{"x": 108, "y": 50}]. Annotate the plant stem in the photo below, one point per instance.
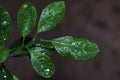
[
  {"x": 23, "y": 41},
  {"x": 45, "y": 40},
  {"x": 29, "y": 43},
  {"x": 35, "y": 36}
]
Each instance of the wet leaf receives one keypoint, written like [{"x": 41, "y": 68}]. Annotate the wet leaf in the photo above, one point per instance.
[
  {"x": 42, "y": 63},
  {"x": 75, "y": 48},
  {"x": 51, "y": 16},
  {"x": 5, "y": 25},
  {"x": 5, "y": 74},
  {"x": 4, "y": 52},
  {"x": 26, "y": 18}
]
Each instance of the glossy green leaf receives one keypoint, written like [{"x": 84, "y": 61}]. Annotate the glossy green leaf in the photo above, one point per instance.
[
  {"x": 15, "y": 78},
  {"x": 5, "y": 74},
  {"x": 4, "y": 52},
  {"x": 26, "y": 18},
  {"x": 75, "y": 48},
  {"x": 5, "y": 25},
  {"x": 42, "y": 63},
  {"x": 51, "y": 16}
]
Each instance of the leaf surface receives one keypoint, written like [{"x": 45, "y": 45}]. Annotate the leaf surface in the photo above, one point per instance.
[
  {"x": 5, "y": 74},
  {"x": 51, "y": 16},
  {"x": 42, "y": 63},
  {"x": 5, "y": 25},
  {"x": 75, "y": 48},
  {"x": 4, "y": 52},
  {"x": 26, "y": 18}
]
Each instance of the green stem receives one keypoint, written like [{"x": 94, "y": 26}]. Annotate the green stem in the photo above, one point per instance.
[
  {"x": 35, "y": 36},
  {"x": 29, "y": 43},
  {"x": 45, "y": 40},
  {"x": 23, "y": 41}
]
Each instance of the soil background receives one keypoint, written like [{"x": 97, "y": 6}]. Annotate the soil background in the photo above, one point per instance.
[{"x": 96, "y": 20}]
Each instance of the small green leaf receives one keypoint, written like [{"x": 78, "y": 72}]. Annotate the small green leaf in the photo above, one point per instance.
[
  {"x": 5, "y": 74},
  {"x": 4, "y": 52},
  {"x": 75, "y": 48},
  {"x": 26, "y": 18},
  {"x": 42, "y": 63},
  {"x": 15, "y": 78},
  {"x": 5, "y": 25},
  {"x": 51, "y": 16}
]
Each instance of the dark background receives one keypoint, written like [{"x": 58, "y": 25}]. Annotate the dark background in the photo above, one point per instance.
[{"x": 96, "y": 20}]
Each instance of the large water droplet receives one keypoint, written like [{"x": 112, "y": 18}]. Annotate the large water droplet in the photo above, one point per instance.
[
  {"x": 5, "y": 76},
  {"x": 47, "y": 70},
  {"x": 4, "y": 39},
  {"x": 25, "y": 6},
  {"x": 4, "y": 23}
]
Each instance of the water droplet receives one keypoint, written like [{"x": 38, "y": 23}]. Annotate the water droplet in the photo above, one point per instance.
[
  {"x": 4, "y": 39},
  {"x": 5, "y": 76},
  {"x": 25, "y": 6},
  {"x": 47, "y": 70},
  {"x": 4, "y": 23},
  {"x": 6, "y": 12}
]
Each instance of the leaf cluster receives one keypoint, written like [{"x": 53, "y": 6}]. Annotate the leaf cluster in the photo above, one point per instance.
[{"x": 38, "y": 50}]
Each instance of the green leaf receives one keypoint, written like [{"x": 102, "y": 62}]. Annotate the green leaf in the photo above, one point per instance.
[
  {"x": 26, "y": 18},
  {"x": 42, "y": 63},
  {"x": 51, "y": 16},
  {"x": 75, "y": 48},
  {"x": 5, "y": 74},
  {"x": 15, "y": 78},
  {"x": 4, "y": 52},
  {"x": 5, "y": 25}
]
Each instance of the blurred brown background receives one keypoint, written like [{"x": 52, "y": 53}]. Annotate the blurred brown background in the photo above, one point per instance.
[{"x": 96, "y": 20}]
